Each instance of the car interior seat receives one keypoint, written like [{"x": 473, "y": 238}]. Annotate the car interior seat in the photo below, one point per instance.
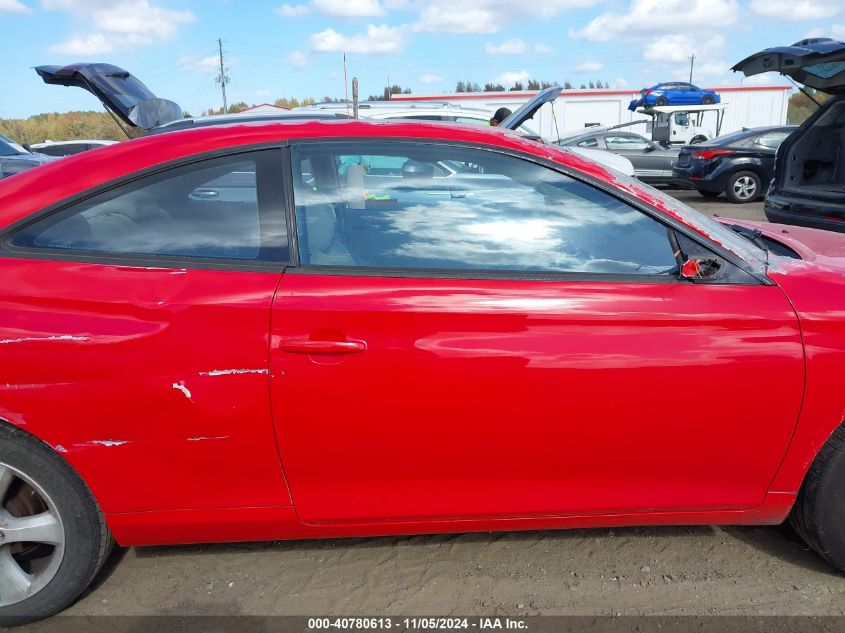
[{"x": 324, "y": 248}]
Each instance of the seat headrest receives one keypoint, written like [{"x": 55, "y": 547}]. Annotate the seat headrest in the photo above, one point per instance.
[{"x": 321, "y": 222}]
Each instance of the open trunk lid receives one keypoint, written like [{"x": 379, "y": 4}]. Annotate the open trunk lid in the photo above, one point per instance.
[
  {"x": 118, "y": 90},
  {"x": 529, "y": 109},
  {"x": 817, "y": 63}
]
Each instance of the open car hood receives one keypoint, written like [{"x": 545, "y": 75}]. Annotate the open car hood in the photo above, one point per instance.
[
  {"x": 529, "y": 109},
  {"x": 817, "y": 63},
  {"x": 118, "y": 90}
]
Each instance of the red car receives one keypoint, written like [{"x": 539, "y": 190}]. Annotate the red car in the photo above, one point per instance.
[{"x": 325, "y": 329}]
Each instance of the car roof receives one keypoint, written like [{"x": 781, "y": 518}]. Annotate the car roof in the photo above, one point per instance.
[{"x": 747, "y": 133}]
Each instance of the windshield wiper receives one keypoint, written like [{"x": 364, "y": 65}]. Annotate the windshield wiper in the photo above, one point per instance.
[{"x": 755, "y": 236}]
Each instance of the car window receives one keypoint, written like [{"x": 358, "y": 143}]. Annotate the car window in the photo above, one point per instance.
[
  {"x": 772, "y": 140},
  {"x": 208, "y": 209},
  {"x": 588, "y": 142},
  {"x": 625, "y": 141},
  {"x": 9, "y": 148},
  {"x": 501, "y": 213},
  {"x": 681, "y": 118}
]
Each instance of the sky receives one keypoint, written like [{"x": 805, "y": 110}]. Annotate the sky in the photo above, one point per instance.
[{"x": 275, "y": 49}]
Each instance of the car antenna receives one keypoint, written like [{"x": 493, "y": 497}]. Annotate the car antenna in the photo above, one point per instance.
[
  {"x": 111, "y": 114},
  {"x": 806, "y": 92}
]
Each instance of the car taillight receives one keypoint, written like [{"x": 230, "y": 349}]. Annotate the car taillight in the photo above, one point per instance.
[
  {"x": 708, "y": 154},
  {"x": 647, "y": 92}
]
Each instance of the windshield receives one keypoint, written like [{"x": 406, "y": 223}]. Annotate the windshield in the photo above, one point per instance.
[{"x": 9, "y": 148}]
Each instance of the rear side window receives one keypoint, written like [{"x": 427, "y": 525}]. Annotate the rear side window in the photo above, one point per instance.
[
  {"x": 457, "y": 208},
  {"x": 772, "y": 140},
  {"x": 210, "y": 209}
]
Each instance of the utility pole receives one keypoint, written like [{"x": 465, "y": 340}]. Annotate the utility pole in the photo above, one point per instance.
[
  {"x": 354, "y": 97},
  {"x": 691, "y": 63},
  {"x": 222, "y": 78}
]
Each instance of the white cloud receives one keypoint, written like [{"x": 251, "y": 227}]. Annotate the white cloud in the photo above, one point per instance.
[
  {"x": 543, "y": 49},
  {"x": 514, "y": 46},
  {"x": 834, "y": 30},
  {"x": 208, "y": 64},
  {"x": 648, "y": 17},
  {"x": 13, "y": 6},
  {"x": 297, "y": 59},
  {"x": 620, "y": 82},
  {"x": 291, "y": 10},
  {"x": 82, "y": 45},
  {"x": 488, "y": 16},
  {"x": 511, "y": 77},
  {"x": 377, "y": 40},
  {"x": 796, "y": 9},
  {"x": 118, "y": 25},
  {"x": 588, "y": 67},
  {"x": 349, "y": 8},
  {"x": 677, "y": 47},
  {"x": 431, "y": 78}
]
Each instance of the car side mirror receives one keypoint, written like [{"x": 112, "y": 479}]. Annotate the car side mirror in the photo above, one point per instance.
[
  {"x": 652, "y": 146},
  {"x": 694, "y": 268}
]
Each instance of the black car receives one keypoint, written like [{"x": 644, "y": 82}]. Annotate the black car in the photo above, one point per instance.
[
  {"x": 740, "y": 165},
  {"x": 809, "y": 184},
  {"x": 652, "y": 162}
]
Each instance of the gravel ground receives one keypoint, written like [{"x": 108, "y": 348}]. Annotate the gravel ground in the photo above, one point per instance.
[{"x": 654, "y": 571}]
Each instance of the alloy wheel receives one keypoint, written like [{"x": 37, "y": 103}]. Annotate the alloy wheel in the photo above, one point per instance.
[
  {"x": 32, "y": 537},
  {"x": 745, "y": 188}
]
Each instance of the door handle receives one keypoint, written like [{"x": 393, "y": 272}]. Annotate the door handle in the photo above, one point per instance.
[{"x": 311, "y": 346}]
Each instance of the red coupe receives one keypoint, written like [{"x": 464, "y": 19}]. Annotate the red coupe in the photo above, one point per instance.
[{"x": 323, "y": 329}]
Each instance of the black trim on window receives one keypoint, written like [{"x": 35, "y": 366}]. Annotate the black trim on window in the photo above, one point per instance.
[
  {"x": 276, "y": 188},
  {"x": 619, "y": 194}
]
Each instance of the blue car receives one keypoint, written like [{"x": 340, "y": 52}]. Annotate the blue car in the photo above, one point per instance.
[
  {"x": 674, "y": 93},
  {"x": 15, "y": 158}
]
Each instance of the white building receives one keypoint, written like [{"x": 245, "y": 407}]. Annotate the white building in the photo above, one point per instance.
[{"x": 747, "y": 106}]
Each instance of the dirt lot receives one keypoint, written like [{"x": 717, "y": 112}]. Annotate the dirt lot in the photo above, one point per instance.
[{"x": 667, "y": 571}]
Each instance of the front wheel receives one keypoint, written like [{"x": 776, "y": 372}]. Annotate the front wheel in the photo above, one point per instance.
[
  {"x": 53, "y": 538},
  {"x": 743, "y": 186},
  {"x": 819, "y": 513},
  {"x": 707, "y": 99}
]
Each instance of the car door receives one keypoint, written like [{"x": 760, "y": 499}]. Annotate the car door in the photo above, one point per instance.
[
  {"x": 649, "y": 163},
  {"x": 522, "y": 346},
  {"x": 139, "y": 314}
]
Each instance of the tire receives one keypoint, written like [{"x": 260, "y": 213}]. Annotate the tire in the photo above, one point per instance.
[
  {"x": 707, "y": 100},
  {"x": 34, "y": 480},
  {"x": 819, "y": 512},
  {"x": 710, "y": 194},
  {"x": 660, "y": 101},
  {"x": 697, "y": 139},
  {"x": 743, "y": 186}
]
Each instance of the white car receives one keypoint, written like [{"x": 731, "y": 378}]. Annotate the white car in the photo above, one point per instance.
[{"x": 68, "y": 148}]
